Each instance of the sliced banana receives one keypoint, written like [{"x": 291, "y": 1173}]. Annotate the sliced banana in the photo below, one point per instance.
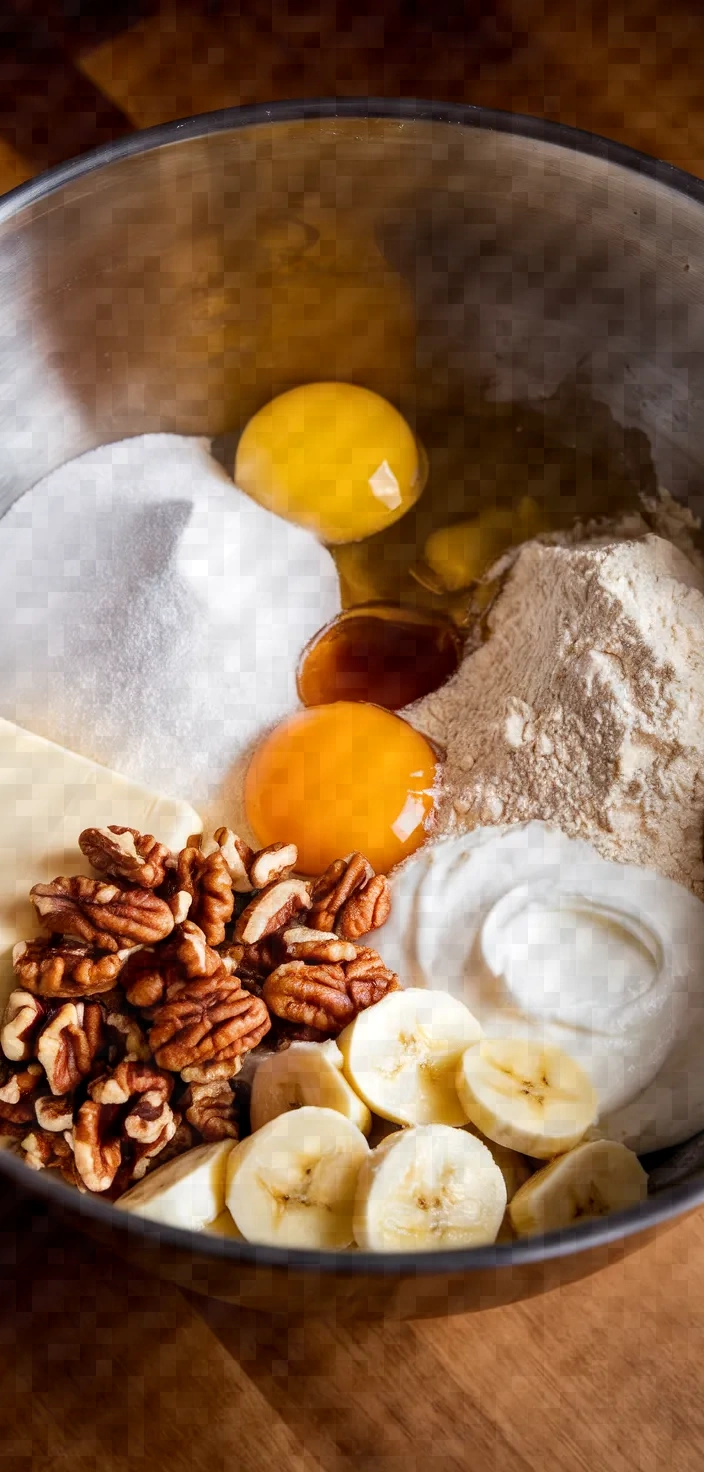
[
  {"x": 515, "y": 1168},
  {"x": 293, "y": 1183},
  {"x": 590, "y": 1181},
  {"x": 428, "y": 1188},
  {"x": 527, "y": 1095},
  {"x": 402, "y": 1055},
  {"x": 187, "y": 1192},
  {"x": 305, "y": 1073}
]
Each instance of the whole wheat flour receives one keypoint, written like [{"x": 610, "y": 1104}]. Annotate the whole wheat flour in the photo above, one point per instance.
[{"x": 585, "y": 705}]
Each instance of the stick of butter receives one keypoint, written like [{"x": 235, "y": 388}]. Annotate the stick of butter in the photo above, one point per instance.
[{"x": 47, "y": 797}]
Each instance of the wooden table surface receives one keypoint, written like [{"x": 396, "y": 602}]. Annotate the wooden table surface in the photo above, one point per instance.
[{"x": 102, "y": 1368}]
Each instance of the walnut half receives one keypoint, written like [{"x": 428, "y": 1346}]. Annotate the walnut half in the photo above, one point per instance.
[
  {"x": 126, "y": 1122},
  {"x": 125, "y": 853},
  {"x": 153, "y": 973},
  {"x": 277, "y": 861},
  {"x": 250, "y": 870},
  {"x": 54, "y": 1114},
  {"x": 314, "y": 996},
  {"x": 350, "y": 898},
  {"x": 102, "y": 915},
  {"x": 69, "y": 1043},
  {"x": 65, "y": 968},
  {"x": 48, "y": 1150},
  {"x": 200, "y": 887},
  {"x": 24, "y": 1015},
  {"x": 301, "y": 944},
  {"x": 237, "y": 855},
  {"x": 367, "y": 909},
  {"x": 19, "y": 1092},
  {"x": 97, "y": 1148},
  {"x": 211, "y": 1108},
  {"x": 211, "y": 1020},
  {"x": 271, "y": 909},
  {"x": 332, "y": 890},
  {"x": 328, "y": 997}
]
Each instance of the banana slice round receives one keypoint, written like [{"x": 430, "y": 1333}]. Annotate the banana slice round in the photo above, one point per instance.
[
  {"x": 401, "y": 1056},
  {"x": 187, "y": 1192},
  {"x": 293, "y": 1183},
  {"x": 428, "y": 1188},
  {"x": 305, "y": 1073},
  {"x": 590, "y": 1181},
  {"x": 529, "y": 1096}
]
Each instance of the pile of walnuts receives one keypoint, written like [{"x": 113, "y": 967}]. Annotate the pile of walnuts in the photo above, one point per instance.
[{"x": 130, "y": 1022}]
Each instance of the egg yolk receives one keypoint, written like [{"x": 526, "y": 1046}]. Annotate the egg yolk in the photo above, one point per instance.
[
  {"x": 340, "y": 778},
  {"x": 332, "y": 457}
]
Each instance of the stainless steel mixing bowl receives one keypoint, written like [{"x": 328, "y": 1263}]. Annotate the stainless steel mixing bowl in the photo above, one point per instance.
[{"x": 445, "y": 256}]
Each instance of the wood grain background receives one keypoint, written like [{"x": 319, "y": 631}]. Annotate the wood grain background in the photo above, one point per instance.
[
  {"x": 74, "y": 73},
  {"x": 101, "y": 1368}
]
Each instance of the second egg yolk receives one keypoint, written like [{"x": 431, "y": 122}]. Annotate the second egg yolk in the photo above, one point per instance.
[
  {"x": 341, "y": 778},
  {"x": 333, "y": 457}
]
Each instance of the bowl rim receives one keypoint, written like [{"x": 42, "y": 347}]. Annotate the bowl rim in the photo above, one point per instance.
[
  {"x": 521, "y": 1252},
  {"x": 405, "y": 109},
  {"x": 667, "y": 1204}
]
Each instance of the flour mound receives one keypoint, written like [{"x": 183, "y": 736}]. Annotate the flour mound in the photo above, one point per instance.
[{"x": 585, "y": 706}]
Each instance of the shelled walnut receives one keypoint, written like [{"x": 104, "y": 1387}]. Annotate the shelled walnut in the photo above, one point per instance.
[
  {"x": 103, "y": 915},
  {"x": 63, "y": 967},
  {"x": 97, "y": 1148},
  {"x": 153, "y": 974},
  {"x": 68, "y": 1046},
  {"x": 22, "y": 1019},
  {"x": 54, "y": 1113},
  {"x": 125, "y": 853},
  {"x": 154, "y": 982},
  {"x": 248, "y": 869},
  {"x": 237, "y": 855},
  {"x": 273, "y": 863},
  {"x": 328, "y": 997},
  {"x": 365, "y": 910},
  {"x": 212, "y": 1110},
  {"x": 126, "y": 1119},
  {"x": 47, "y": 1150},
  {"x": 333, "y": 888},
  {"x": 200, "y": 889},
  {"x": 303, "y": 944},
  {"x": 211, "y": 1020},
  {"x": 19, "y": 1092},
  {"x": 350, "y": 898},
  {"x": 271, "y": 909}
]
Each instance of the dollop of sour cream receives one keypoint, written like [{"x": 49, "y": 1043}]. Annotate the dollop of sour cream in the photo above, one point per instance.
[{"x": 542, "y": 938}]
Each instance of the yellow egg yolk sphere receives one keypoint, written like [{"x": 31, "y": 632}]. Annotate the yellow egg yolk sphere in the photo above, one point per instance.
[
  {"x": 332, "y": 457},
  {"x": 341, "y": 778}
]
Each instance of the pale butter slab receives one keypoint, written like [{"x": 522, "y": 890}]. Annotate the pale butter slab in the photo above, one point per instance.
[{"x": 48, "y": 795}]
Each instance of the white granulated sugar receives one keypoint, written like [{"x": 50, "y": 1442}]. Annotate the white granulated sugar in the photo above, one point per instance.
[
  {"x": 585, "y": 706},
  {"x": 153, "y": 615}
]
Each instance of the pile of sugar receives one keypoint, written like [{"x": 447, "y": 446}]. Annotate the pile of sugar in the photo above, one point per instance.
[
  {"x": 585, "y": 706},
  {"x": 153, "y": 615}
]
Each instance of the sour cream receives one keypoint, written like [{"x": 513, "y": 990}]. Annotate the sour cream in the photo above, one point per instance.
[{"x": 541, "y": 937}]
